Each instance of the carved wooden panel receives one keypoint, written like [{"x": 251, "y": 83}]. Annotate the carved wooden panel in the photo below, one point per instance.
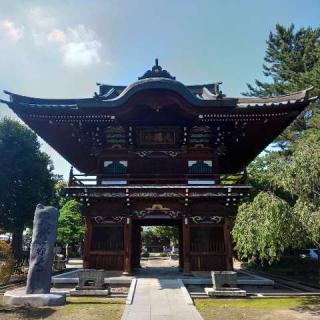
[
  {"x": 208, "y": 262},
  {"x": 207, "y": 239},
  {"x": 107, "y": 262},
  {"x": 107, "y": 239}
]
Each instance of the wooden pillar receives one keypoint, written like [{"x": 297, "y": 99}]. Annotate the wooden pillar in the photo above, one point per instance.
[
  {"x": 136, "y": 246},
  {"x": 186, "y": 246},
  {"x": 181, "y": 245},
  {"x": 227, "y": 244},
  {"x": 127, "y": 246},
  {"x": 87, "y": 243}
]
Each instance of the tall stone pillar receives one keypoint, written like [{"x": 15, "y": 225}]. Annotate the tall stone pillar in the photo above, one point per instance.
[{"x": 42, "y": 249}]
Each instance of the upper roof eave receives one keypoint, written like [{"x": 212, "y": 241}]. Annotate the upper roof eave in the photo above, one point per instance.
[{"x": 207, "y": 100}]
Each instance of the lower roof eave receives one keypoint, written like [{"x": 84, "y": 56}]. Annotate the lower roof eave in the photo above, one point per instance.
[{"x": 132, "y": 187}]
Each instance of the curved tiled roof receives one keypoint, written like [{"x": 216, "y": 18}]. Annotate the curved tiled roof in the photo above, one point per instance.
[{"x": 198, "y": 95}]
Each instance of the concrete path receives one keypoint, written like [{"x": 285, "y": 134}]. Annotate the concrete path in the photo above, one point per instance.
[{"x": 159, "y": 299}]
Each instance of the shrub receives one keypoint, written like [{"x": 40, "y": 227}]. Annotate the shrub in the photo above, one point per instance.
[
  {"x": 145, "y": 254},
  {"x": 7, "y": 262}
]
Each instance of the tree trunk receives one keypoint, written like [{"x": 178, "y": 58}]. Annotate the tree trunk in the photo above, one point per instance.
[
  {"x": 67, "y": 251},
  {"x": 17, "y": 244}
]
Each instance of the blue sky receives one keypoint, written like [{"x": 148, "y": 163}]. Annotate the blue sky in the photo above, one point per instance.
[{"x": 62, "y": 48}]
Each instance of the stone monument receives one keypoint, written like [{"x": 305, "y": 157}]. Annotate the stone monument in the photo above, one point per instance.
[
  {"x": 224, "y": 284},
  {"x": 40, "y": 264},
  {"x": 91, "y": 283}
]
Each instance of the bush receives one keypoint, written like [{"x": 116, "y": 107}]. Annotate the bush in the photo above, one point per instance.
[
  {"x": 145, "y": 254},
  {"x": 289, "y": 265},
  {"x": 7, "y": 262}
]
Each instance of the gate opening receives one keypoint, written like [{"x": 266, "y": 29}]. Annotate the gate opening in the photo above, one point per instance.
[{"x": 157, "y": 247}]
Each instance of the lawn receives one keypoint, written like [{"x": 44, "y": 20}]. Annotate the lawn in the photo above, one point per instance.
[
  {"x": 259, "y": 309},
  {"x": 77, "y": 308}
]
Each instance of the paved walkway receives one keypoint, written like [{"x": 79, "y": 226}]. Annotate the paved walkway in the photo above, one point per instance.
[{"x": 159, "y": 299}]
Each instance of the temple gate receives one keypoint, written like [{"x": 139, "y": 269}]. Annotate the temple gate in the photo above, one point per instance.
[{"x": 159, "y": 152}]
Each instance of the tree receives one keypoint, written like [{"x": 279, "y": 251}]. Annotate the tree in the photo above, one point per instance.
[
  {"x": 160, "y": 235},
  {"x": 59, "y": 198},
  {"x": 291, "y": 63},
  {"x": 289, "y": 56},
  {"x": 25, "y": 179},
  {"x": 285, "y": 209},
  {"x": 70, "y": 225},
  {"x": 167, "y": 234},
  {"x": 265, "y": 227}
]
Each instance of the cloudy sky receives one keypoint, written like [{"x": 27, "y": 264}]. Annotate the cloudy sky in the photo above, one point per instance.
[{"x": 62, "y": 48}]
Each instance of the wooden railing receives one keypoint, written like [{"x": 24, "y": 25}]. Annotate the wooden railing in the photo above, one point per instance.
[{"x": 154, "y": 179}]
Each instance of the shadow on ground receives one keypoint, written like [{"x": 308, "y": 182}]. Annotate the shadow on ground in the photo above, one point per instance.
[
  {"x": 309, "y": 305},
  {"x": 26, "y": 312}
]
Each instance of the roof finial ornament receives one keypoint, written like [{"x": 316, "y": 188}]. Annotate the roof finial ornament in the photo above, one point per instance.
[{"x": 157, "y": 72}]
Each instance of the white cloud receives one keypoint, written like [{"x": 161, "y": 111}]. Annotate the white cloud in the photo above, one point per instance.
[
  {"x": 12, "y": 31},
  {"x": 41, "y": 18},
  {"x": 81, "y": 48},
  {"x": 56, "y": 35}
]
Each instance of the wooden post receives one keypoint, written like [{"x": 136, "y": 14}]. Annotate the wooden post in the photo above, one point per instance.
[
  {"x": 186, "y": 246},
  {"x": 227, "y": 244},
  {"x": 127, "y": 246},
  {"x": 87, "y": 243}
]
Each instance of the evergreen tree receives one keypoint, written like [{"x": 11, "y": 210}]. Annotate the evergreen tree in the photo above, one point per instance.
[
  {"x": 26, "y": 179},
  {"x": 285, "y": 209}
]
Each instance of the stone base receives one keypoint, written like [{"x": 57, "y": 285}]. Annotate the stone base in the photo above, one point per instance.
[
  {"x": 85, "y": 293},
  {"x": 20, "y": 298},
  {"x": 228, "y": 292}
]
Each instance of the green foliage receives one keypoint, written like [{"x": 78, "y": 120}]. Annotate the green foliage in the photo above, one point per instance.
[
  {"x": 26, "y": 175},
  {"x": 59, "y": 199},
  {"x": 160, "y": 235},
  {"x": 301, "y": 173},
  {"x": 7, "y": 262},
  {"x": 285, "y": 210},
  {"x": 25, "y": 178},
  {"x": 265, "y": 227},
  {"x": 70, "y": 225},
  {"x": 292, "y": 63},
  {"x": 290, "y": 56},
  {"x": 292, "y": 266}
]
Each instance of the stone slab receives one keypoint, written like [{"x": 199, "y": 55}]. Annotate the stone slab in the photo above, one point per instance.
[
  {"x": 42, "y": 250},
  {"x": 72, "y": 277},
  {"x": 85, "y": 293},
  {"x": 20, "y": 298},
  {"x": 225, "y": 293},
  {"x": 160, "y": 299}
]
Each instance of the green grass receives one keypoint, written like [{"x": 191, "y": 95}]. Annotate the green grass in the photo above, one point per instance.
[
  {"x": 258, "y": 309},
  {"x": 77, "y": 308}
]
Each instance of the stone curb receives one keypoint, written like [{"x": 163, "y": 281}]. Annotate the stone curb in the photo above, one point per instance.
[
  {"x": 132, "y": 290},
  {"x": 185, "y": 293}
]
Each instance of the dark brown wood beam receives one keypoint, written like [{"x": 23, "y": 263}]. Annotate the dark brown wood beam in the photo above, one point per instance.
[
  {"x": 127, "y": 246},
  {"x": 227, "y": 243},
  {"x": 186, "y": 246}
]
